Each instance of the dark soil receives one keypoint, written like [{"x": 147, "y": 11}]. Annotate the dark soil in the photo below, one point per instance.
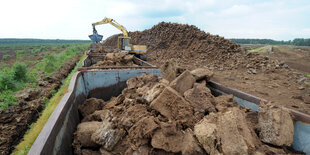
[{"x": 253, "y": 73}]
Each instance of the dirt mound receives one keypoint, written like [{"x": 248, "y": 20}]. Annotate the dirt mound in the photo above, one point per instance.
[
  {"x": 116, "y": 59},
  {"x": 174, "y": 36},
  {"x": 154, "y": 116},
  {"x": 192, "y": 48},
  {"x": 181, "y": 42},
  {"x": 98, "y": 48},
  {"x": 15, "y": 120}
]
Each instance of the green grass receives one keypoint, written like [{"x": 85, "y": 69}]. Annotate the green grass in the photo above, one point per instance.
[
  {"x": 33, "y": 51},
  {"x": 19, "y": 76},
  {"x": 7, "y": 56},
  {"x": 52, "y": 62},
  {"x": 20, "y": 54},
  {"x": 5, "y": 48},
  {"x": 11, "y": 80},
  {"x": 2, "y": 51},
  {"x": 7, "y": 98},
  {"x": 285, "y": 48},
  {"x": 259, "y": 50},
  {"x": 23, "y": 147}
]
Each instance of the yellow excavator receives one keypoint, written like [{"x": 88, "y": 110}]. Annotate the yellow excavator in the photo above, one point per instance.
[{"x": 123, "y": 42}]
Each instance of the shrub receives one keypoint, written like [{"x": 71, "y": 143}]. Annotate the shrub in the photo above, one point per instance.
[
  {"x": 20, "y": 54},
  {"x": 20, "y": 71},
  {"x": 5, "y": 57},
  {"x": 49, "y": 63},
  {"x": 7, "y": 79},
  {"x": 54, "y": 48},
  {"x": 35, "y": 51},
  {"x": 7, "y": 98},
  {"x": 43, "y": 48}
]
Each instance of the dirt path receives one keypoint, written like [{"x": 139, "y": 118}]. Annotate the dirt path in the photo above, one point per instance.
[
  {"x": 296, "y": 57},
  {"x": 15, "y": 120},
  {"x": 278, "y": 87},
  {"x": 281, "y": 87}
]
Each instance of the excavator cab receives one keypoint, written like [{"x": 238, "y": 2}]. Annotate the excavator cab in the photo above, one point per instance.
[{"x": 124, "y": 44}]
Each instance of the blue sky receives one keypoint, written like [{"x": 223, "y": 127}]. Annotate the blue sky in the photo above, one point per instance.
[{"x": 71, "y": 19}]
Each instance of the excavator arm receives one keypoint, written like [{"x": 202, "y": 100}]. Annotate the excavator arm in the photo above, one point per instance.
[{"x": 114, "y": 23}]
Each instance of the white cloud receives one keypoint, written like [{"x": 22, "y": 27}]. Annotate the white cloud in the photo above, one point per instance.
[{"x": 71, "y": 19}]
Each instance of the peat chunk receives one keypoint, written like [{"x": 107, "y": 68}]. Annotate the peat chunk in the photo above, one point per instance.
[
  {"x": 202, "y": 74},
  {"x": 183, "y": 82},
  {"x": 173, "y": 106},
  {"x": 276, "y": 125}
]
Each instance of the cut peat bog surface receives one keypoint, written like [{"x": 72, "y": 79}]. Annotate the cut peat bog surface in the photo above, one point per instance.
[
  {"x": 27, "y": 80},
  {"x": 255, "y": 73}
]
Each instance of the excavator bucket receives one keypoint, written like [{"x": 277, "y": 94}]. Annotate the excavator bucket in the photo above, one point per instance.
[{"x": 96, "y": 38}]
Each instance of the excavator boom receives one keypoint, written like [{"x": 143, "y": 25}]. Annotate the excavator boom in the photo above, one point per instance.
[{"x": 114, "y": 23}]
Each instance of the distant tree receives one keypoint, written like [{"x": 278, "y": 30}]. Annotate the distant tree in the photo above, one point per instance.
[
  {"x": 301, "y": 42},
  {"x": 296, "y": 41}
]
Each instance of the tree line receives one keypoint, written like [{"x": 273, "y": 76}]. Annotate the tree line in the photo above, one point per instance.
[
  {"x": 296, "y": 41},
  {"x": 39, "y": 41}
]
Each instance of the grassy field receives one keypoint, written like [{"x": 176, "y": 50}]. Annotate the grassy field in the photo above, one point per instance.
[
  {"x": 35, "y": 129},
  {"x": 10, "y": 53},
  {"x": 22, "y": 64},
  {"x": 262, "y": 49},
  {"x": 25, "y": 63}
]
